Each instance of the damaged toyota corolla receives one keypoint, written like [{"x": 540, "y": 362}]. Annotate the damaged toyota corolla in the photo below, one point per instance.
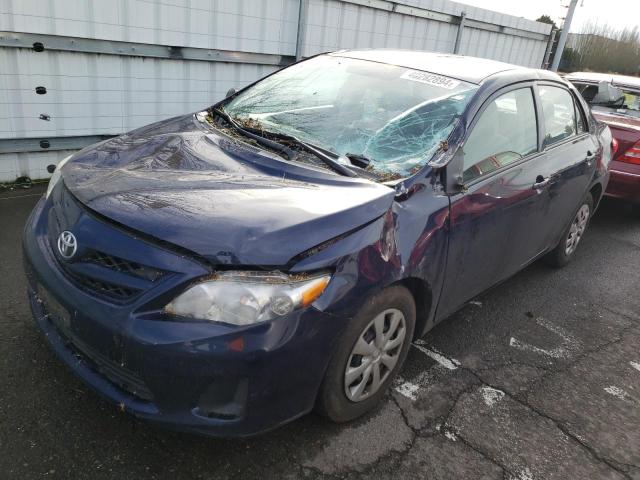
[{"x": 227, "y": 271}]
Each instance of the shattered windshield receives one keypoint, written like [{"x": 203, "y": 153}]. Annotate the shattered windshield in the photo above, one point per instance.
[{"x": 394, "y": 116}]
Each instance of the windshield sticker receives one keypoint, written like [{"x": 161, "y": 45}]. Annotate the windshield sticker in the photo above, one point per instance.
[{"x": 430, "y": 79}]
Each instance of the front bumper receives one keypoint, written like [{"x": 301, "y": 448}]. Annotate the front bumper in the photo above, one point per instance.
[
  {"x": 624, "y": 182},
  {"x": 195, "y": 376}
]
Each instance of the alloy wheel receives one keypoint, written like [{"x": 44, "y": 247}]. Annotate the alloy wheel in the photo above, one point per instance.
[
  {"x": 374, "y": 355},
  {"x": 578, "y": 226}
]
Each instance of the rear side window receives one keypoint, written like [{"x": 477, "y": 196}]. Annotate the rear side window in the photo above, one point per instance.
[
  {"x": 505, "y": 132},
  {"x": 558, "y": 112}
]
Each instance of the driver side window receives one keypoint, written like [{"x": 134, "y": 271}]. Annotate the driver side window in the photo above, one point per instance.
[{"x": 505, "y": 132}]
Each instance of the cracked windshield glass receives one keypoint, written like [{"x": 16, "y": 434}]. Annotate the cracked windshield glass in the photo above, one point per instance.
[{"x": 394, "y": 116}]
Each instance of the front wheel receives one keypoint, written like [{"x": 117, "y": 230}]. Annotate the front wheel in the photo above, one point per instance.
[
  {"x": 565, "y": 250},
  {"x": 369, "y": 354}
]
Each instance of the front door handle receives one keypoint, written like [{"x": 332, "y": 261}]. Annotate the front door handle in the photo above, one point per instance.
[{"x": 541, "y": 182}]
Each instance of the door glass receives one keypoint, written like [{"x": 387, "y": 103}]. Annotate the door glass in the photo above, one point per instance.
[
  {"x": 505, "y": 132},
  {"x": 580, "y": 120},
  {"x": 558, "y": 112}
]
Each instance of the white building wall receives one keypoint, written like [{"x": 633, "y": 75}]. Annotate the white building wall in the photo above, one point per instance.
[{"x": 92, "y": 94}]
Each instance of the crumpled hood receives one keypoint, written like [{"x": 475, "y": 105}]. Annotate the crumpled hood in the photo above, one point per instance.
[{"x": 179, "y": 182}]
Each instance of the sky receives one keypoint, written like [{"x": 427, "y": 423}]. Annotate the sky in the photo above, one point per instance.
[{"x": 617, "y": 13}]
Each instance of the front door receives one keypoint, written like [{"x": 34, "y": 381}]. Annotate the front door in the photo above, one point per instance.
[{"x": 497, "y": 223}]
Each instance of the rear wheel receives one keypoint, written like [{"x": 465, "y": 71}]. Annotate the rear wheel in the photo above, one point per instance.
[
  {"x": 565, "y": 250},
  {"x": 370, "y": 354}
]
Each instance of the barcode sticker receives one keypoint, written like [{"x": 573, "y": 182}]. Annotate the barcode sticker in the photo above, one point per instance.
[{"x": 430, "y": 79}]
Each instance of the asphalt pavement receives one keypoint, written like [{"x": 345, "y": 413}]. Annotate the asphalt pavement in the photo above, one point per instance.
[{"x": 537, "y": 379}]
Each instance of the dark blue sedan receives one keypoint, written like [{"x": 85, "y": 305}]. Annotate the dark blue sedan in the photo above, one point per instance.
[{"x": 227, "y": 271}]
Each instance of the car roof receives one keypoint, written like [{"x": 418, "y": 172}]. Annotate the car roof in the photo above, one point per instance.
[
  {"x": 460, "y": 67},
  {"x": 616, "y": 80}
]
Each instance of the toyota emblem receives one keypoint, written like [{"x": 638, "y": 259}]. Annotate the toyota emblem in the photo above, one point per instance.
[{"x": 67, "y": 244}]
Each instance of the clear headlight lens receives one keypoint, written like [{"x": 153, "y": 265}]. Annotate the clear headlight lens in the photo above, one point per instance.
[
  {"x": 55, "y": 178},
  {"x": 243, "y": 298}
]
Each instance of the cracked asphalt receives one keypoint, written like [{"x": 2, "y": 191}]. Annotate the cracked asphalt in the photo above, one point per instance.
[{"x": 537, "y": 379}]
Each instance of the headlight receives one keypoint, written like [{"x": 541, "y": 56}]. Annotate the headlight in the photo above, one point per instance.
[
  {"x": 55, "y": 178},
  {"x": 243, "y": 298}
]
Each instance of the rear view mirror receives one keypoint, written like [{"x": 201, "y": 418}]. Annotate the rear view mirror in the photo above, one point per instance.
[
  {"x": 230, "y": 92},
  {"x": 608, "y": 94}
]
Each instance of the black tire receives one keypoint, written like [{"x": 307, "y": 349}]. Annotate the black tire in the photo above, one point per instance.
[
  {"x": 559, "y": 257},
  {"x": 332, "y": 401}
]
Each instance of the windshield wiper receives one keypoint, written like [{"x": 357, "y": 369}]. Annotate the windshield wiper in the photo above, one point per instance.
[
  {"x": 324, "y": 157},
  {"x": 265, "y": 142},
  {"x": 358, "y": 160},
  {"x": 327, "y": 159}
]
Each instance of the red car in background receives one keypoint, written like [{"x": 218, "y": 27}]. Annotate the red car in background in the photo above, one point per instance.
[{"x": 615, "y": 100}]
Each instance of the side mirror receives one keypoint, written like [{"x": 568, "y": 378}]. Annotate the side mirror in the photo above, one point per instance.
[
  {"x": 453, "y": 172},
  {"x": 231, "y": 91}
]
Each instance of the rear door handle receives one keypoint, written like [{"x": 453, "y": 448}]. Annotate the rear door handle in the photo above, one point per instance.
[
  {"x": 541, "y": 182},
  {"x": 589, "y": 158}
]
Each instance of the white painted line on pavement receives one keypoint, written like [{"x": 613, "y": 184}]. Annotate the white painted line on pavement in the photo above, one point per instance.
[
  {"x": 569, "y": 344},
  {"x": 524, "y": 474},
  {"x": 408, "y": 389},
  {"x": 448, "y": 363},
  {"x": 411, "y": 389},
  {"x": 617, "y": 392},
  {"x": 491, "y": 396},
  {"x": 450, "y": 435},
  {"x": 555, "y": 352}
]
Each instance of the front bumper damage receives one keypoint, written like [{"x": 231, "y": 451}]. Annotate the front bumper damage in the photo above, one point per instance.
[{"x": 203, "y": 377}]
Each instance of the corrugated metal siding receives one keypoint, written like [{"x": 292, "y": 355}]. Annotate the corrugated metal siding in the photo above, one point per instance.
[
  {"x": 265, "y": 26},
  {"x": 34, "y": 163},
  {"x": 334, "y": 24},
  {"x": 101, "y": 94},
  {"x": 89, "y": 94}
]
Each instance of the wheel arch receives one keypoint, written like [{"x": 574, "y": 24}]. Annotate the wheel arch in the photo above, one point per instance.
[
  {"x": 423, "y": 298},
  {"x": 596, "y": 192}
]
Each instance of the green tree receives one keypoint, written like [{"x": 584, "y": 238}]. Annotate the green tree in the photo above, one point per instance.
[{"x": 547, "y": 19}]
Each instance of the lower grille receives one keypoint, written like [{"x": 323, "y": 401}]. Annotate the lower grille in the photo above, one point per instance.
[{"x": 117, "y": 374}]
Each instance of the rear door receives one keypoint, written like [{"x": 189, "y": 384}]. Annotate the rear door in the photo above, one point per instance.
[
  {"x": 571, "y": 149},
  {"x": 498, "y": 222}
]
